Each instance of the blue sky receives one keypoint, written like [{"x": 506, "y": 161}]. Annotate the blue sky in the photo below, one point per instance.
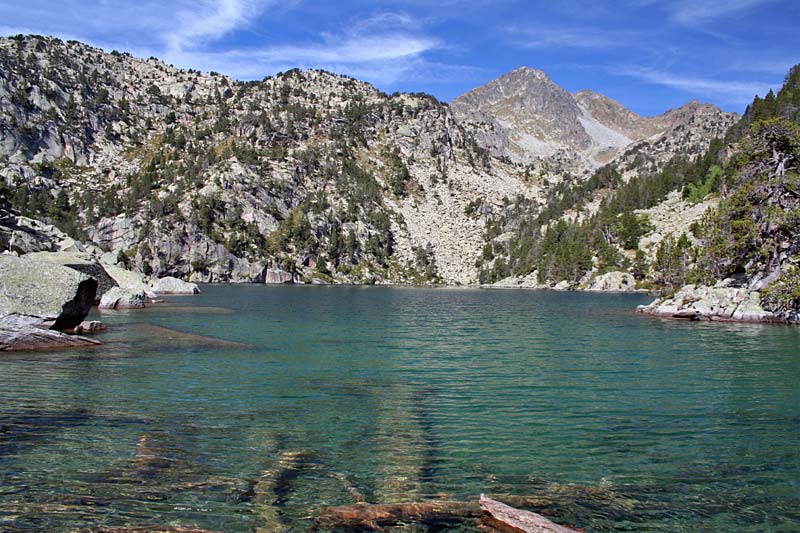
[{"x": 651, "y": 55}]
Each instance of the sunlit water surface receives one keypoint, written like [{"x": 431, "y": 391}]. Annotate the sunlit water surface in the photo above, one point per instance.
[{"x": 614, "y": 420}]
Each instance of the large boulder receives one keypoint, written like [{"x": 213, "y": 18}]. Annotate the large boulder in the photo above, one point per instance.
[
  {"x": 613, "y": 282},
  {"x": 82, "y": 262},
  {"x": 170, "y": 285},
  {"x": 119, "y": 298},
  {"x": 126, "y": 279},
  {"x": 53, "y": 295}
]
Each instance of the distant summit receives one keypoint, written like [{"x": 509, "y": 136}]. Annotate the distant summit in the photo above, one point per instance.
[{"x": 524, "y": 116}]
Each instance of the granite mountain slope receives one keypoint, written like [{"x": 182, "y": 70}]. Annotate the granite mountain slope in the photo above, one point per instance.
[{"x": 303, "y": 177}]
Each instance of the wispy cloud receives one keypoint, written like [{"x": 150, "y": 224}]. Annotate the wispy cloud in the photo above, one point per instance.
[
  {"x": 730, "y": 91},
  {"x": 692, "y": 12},
  {"x": 573, "y": 38}
]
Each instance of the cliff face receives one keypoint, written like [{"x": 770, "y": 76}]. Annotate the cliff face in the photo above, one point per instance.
[{"x": 307, "y": 176}]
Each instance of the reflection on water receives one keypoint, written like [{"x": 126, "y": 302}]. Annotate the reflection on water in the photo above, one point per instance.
[{"x": 303, "y": 398}]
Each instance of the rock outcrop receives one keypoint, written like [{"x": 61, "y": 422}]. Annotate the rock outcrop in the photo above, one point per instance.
[
  {"x": 613, "y": 282},
  {"x": 55, "y": 296},
  {"x": 82, "y": 262},
  {"x": 721, "y": 302},
  {"x": 170, "y": 285}
]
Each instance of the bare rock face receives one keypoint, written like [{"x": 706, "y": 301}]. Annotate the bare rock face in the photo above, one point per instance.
[
  {"x": 56, "y": 296},
  {"x": 277, "y": 276},
  {"x": 170, "y": 285}
]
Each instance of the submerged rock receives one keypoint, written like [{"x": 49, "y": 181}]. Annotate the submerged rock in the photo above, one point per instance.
[
  {"x": 53, "y": 295},
  {"x": 119, "y": 298},
  {"x": 16, "y": 337},
  {"x": 170, "y": 285}
]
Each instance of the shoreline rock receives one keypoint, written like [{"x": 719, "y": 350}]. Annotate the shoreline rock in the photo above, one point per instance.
[
  {"x": 170, "y": 285},
  {"x": 718, "y": 303},
  {"x": 119, "y": 299}
]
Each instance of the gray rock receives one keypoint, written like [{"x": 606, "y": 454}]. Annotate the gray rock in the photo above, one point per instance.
[
  {"x": 129, "y": 280},
  {"x": 170, "y": 285},
  {"x": 58, "y": 296},
  {"x": 613, "y": 282},
  {"x": 82, "y": 262},
  {"x": 119, "y": 298},
  {"x": 721, "y": 302}
]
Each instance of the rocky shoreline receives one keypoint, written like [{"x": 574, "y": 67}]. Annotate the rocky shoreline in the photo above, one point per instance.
[
  {"x": 722, "y": 302},
  {"x": 49, "y": 283}
]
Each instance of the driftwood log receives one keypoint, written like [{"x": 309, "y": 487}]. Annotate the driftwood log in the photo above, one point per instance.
[
  {"x": 374, "y": 516},
  {"x": 506, "y": 518}
]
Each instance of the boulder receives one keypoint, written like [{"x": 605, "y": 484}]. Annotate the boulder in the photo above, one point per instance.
[
  {"x": 129, "y": 280},
  {"x": 82, "y": 262},
  {"x": 170, "y": 285},
  {"x": 562, "y": 285},
  {"x": 119, "y": 298},
  {"x": 54, "y": 295},
  {"x": 613, "y": 282}
]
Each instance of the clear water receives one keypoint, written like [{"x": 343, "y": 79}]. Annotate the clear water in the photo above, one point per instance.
[{"x": 616, "y": 422}]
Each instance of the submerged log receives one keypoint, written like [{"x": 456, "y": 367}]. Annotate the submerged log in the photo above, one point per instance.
[
  {"x": 506, "y": 518},
  {"x": 272, "y": 487},
  {"x": 372, "y": 516}
]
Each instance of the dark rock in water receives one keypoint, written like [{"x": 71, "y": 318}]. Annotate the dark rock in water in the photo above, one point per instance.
[
  {"x": 59, "y": 297},
  {"x": 25, "y": 337}
]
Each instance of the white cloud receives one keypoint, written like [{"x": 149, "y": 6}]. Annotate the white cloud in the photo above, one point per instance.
[
  {"x": 691, "y": 12},
  {"x": 733, "y": 92}
]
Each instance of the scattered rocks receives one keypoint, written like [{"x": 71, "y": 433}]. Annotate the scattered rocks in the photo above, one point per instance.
[
  {"x": 170, "y": 285},
  {"x": 129, "y": 280},
  {"x": 57, "y": 296},
  {"x": 119, "y": 298}
]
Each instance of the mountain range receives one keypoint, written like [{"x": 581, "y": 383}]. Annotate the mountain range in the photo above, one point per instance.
[{"x": 306, "y": 176}]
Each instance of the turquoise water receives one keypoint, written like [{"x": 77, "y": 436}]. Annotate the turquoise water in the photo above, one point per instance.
[{"x": 615, "y": 421}]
